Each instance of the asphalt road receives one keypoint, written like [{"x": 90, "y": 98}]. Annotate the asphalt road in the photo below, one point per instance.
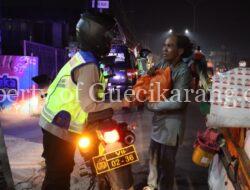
[{"x": 188, "y": 175}]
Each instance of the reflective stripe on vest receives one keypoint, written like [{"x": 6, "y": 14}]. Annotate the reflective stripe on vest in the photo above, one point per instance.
[
  {"x": 63, "y": 94},
  {"x": 101, "y": 90}
]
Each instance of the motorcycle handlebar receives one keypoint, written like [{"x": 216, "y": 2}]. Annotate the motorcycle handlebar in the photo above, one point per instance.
[{"x": 100, "y": 116}]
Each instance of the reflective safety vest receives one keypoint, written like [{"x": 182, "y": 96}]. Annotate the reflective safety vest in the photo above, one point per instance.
[{"x": 63, "y": 96}]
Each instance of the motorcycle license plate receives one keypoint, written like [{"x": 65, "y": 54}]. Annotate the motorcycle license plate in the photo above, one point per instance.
[{"x": 116, "y": 159}]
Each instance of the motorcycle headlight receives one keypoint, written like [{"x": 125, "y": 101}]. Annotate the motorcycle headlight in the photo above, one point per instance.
[
  {"x": 111, "y": 136},
  {"x": 84, "y": 142}
]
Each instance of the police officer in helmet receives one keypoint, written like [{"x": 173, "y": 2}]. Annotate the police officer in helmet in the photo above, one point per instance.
[{"x": 70, "y": 99}]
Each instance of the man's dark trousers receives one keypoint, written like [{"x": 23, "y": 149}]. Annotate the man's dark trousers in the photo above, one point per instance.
[{"x": 162, "y": 165}]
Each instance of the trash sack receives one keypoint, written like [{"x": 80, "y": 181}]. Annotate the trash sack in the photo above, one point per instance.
[
  {"x": 217, "y": 176},
  {"x": 198, "y": 67},
  {"x": 150, "y": 88},
  {"x": 230, "y": 99}
]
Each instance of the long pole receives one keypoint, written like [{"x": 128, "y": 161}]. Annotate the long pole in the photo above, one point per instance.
[
  {"x": 6, "y": 180},
  {"x": 194, "y": 4},
  {"x": 194, "y": 18}
]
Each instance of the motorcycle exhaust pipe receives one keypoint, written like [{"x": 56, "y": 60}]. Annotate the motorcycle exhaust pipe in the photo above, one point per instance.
[{"x": 129, "y": 138}]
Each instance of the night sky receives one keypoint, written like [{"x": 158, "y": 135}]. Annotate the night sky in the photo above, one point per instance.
[{"x": 221, "y": 24}]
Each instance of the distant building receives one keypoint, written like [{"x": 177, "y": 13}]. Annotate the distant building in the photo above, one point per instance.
[
  {"x": 14, "y": 31},
  {"x": 223, "y": 59}
]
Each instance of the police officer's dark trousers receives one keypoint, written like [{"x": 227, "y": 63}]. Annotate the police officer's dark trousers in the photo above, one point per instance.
[{"x": 59, "y": 159}]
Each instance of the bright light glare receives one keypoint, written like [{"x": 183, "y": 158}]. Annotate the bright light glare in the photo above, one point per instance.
[
  {"x": 242, "y": 63},
  {"x": 129, "y": 74},
  {"x": 26, "y": 107},
  {"x": 170, "y": 31},
  {"x": 111, "y": 136},
  {"x": 118, "y": 77},
  {"x": 186, "y": 31},
  {"x": 84, "y": 142}
]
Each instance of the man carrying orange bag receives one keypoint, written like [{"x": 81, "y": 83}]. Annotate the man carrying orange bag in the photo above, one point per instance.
[{"x": 168, "y": 120}]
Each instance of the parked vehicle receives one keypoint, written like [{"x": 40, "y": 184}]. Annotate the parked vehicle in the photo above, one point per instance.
[{"x": 124, "y": 72}]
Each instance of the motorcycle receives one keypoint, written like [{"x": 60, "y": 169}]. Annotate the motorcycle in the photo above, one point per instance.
[{"x": 108, "y": 151}]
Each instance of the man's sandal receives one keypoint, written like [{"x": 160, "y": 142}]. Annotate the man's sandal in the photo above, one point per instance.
[{"x": 148, "y": 188}]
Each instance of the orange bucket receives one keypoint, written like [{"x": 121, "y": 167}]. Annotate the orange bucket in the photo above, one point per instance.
[{"x": 201, "y": 157}]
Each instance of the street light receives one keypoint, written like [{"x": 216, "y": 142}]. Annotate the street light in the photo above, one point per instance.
[
  {"x": 187, "y": 32},
  {"x": 170, "y": 31}
]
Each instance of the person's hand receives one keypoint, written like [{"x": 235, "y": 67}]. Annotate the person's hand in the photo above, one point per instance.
[
  {"x": 126, "y": 103},
  {"x": 151, "y": 71},
  {"x": 132, "y": 126}
]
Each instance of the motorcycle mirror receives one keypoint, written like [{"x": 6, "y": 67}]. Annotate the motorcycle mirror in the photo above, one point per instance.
[
  {"x": 108, "y": 60},
  {"x": 109, "y": 76}
]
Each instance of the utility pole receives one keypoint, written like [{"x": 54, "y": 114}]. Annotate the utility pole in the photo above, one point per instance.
[
  {"x": 194, "y": 4},
  {"x": 0, "y": 26},
  {"x": 6, "y": 181}
]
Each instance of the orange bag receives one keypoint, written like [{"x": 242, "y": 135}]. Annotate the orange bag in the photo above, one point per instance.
[
  {"x": 141, "y": 88},
  {"x": 151, "y": 87}
]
